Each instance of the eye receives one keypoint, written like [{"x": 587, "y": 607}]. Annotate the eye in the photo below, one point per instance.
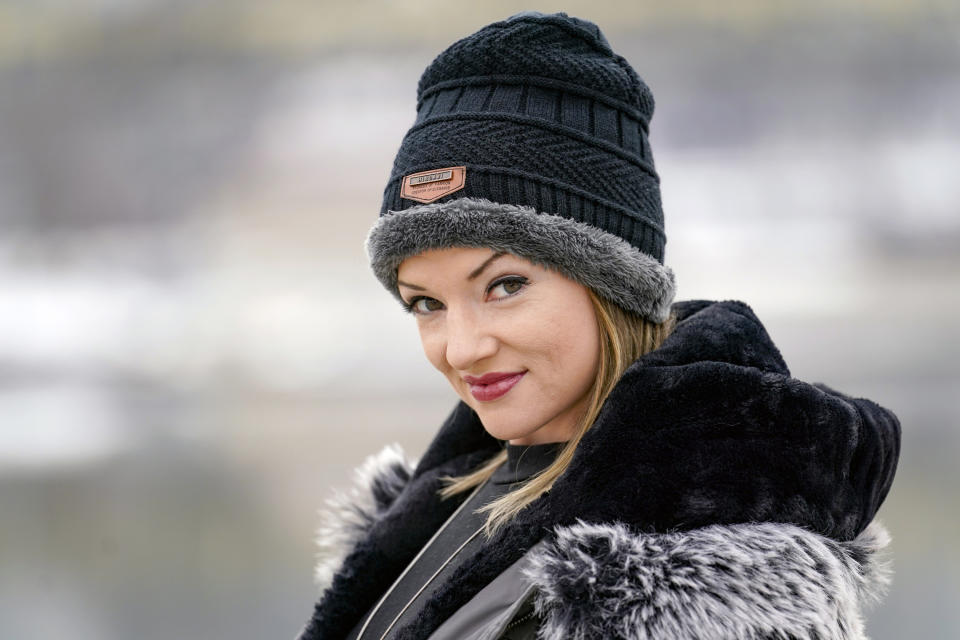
[
  {"x": 422, "y": 305},
  {"x": 510, "y": 286}
]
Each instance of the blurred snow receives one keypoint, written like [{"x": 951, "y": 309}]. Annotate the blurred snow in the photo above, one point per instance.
[{"x": 58, "y": 427}]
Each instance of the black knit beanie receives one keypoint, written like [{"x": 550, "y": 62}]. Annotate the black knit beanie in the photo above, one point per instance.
[{"x": 531, "y": 138}]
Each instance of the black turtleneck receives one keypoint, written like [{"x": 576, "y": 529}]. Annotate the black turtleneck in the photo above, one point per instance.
[{"x": 522, "y": 462}]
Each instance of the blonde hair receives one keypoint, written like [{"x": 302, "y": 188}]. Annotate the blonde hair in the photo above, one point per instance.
[{"x": 624, "y": 337}]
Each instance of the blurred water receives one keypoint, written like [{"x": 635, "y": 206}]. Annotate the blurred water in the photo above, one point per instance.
[{"x": 193, "y": 350}]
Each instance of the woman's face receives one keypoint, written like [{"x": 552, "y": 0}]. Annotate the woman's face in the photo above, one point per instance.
[{"x": 484, "y": 315}]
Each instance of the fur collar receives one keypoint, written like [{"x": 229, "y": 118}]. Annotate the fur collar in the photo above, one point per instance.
[
  {"x": 348, "y": 516},
  {"x": 702, "y": 442},
  {"x": 745, "y": 581},
  {"x": 754, "y": 580}
]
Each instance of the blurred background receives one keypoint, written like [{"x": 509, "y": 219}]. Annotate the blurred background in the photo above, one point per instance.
[{"x": 194, "y": 354}]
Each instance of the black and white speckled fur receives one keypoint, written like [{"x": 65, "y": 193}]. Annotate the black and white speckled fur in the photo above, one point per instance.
[
  {"x": 708, "y": 464},
  {"x": 348, "y": 516},
  {"x": 745, "y": 581}
]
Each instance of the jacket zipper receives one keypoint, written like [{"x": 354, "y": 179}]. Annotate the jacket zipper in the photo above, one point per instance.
[
  {"x": 519, "y": 620},
  {"x": 414, "y": 561},
  {"x": 427, "y": 583}
]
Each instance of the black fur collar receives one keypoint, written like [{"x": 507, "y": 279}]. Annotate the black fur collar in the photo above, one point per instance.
[{"x": 709, "y": 429}]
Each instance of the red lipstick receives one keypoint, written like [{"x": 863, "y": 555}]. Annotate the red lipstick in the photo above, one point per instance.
[{"x": 491, "y": 386}]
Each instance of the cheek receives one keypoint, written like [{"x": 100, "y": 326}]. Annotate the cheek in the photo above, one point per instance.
[
  {"x": 558, "y": 339},
  {"x": 575, "y": 340},
  {"x": 432, "y": 344},
  {"x": 579, "y": 356}
]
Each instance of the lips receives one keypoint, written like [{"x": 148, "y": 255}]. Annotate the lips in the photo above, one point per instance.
[{"x": 492, "y": 385}]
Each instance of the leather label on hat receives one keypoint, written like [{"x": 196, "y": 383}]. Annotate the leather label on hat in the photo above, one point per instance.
[{"x": 427, "y": 186}]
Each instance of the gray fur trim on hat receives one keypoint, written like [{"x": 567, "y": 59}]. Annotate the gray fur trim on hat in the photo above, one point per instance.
[{"x": 609, "y": 265}]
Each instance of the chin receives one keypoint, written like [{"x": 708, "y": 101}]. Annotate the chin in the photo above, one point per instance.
[
  {"x": 501, "y": 432},
  {"x": 504, "y": 429},
  {"x": 511, "y": 431}
]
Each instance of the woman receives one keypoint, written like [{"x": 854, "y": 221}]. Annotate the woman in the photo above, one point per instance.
[{"x": 619, "y": 465}]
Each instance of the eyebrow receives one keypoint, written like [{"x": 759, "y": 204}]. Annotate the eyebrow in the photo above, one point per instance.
[
  {"x": 476, "y": 272},
  {"x": 472, "y": 276}
]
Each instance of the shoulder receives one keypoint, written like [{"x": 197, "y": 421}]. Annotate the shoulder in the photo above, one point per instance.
[{"x": 723, "y": 581}]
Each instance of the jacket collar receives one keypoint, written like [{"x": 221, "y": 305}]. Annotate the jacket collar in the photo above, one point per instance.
[
  {"x": 753, "y": 580},
  {"x": 711, "y": 429}
]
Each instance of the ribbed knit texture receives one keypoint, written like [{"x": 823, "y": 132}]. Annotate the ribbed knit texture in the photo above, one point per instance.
[{"x": 542, "y": 113}]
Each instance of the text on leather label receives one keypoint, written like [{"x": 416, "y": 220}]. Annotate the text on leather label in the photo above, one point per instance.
[{"x": 427, "y": 186}]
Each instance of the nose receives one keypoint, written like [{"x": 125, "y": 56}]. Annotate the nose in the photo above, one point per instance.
[{"x": 469, "y": 339}]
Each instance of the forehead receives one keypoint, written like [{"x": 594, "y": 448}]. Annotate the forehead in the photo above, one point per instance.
[{"x": 451, "y": 259}]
